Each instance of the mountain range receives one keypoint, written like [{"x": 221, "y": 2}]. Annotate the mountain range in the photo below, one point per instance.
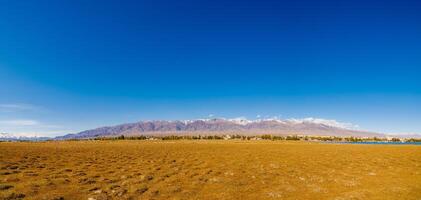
[
  {"x": 220, "y": 126},
  {"x": 11, "y": 137}
]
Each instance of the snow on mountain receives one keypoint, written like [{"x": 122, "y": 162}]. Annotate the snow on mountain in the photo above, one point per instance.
[
  {"x": 17, "y": 137},
  {"x": 327, "y": 122},
  {"x": 215, "y": 126},
  {"x": 240, "y": 120}
]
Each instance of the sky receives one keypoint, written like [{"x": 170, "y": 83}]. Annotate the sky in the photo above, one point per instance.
[{"x": 68, "y": 66}]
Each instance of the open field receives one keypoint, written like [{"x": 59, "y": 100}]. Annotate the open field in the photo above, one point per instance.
[{"x": 208, "y": 170}]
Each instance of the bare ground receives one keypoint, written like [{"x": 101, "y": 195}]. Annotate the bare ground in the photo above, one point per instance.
[{"x": 208, "y": 170}]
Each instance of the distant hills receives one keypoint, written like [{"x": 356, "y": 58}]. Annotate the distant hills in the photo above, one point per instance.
[
  {"x": 10, "y": 137},
  {"x": 218, "y": 126}
]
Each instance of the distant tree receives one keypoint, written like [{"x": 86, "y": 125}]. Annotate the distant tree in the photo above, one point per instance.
[
  {"x": 293, "y": 137},
  {"x": 266, "y": 137}
]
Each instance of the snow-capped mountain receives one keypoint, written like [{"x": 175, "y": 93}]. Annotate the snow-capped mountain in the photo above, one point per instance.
[
  {"x": 11, "y": 137},
  {"x": 221, "y": 126}
]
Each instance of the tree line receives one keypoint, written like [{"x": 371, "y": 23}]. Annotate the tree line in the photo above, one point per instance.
[{"x": 260, "y": 137}]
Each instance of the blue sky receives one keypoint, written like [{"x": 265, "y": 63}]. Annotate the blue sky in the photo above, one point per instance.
[{"x": 67, "y": 66}]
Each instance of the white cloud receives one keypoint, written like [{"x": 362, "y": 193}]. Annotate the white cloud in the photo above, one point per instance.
[{"x": 19, "y": 122}]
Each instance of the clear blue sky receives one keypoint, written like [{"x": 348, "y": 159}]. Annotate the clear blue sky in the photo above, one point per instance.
[{"x": 67, "y": 66}]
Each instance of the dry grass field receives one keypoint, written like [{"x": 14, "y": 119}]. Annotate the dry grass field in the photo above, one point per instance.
[{"x": 208, "y": 170}]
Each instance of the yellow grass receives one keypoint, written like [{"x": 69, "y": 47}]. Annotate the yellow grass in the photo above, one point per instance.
[{"x": 208, "y": 170}]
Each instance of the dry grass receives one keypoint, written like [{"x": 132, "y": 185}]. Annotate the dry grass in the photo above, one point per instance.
[{"x": 208, "y": 170}]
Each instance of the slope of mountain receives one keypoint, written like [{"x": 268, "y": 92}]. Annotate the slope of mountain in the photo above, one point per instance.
[
  {"x": 11, "y": 137},
  {"x": 224, "y": 126}
]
